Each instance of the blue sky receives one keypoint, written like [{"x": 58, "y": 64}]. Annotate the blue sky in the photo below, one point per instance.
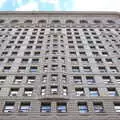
[{"x": 60, "y": 5}]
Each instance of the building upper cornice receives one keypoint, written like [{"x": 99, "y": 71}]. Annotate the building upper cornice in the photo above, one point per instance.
[{"x": 59, "y": 12}]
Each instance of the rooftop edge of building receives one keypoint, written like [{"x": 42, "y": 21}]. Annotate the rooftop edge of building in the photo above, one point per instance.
[{"x": 61, "y": 12}]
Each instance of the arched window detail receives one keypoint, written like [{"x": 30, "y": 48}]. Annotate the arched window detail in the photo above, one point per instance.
[
  {"x": 56, "y": 21},
  {"x": 14, "y": 21},
  {"x": 2, "y": 21},
  {"x": 83, "y": 21},
  {"x": 110, "y": 21},
  {"x": 28, "y": 21},
  {"x": 97, "y": 21},
  {"x": 69, "y": 21},
  {"x": 42, "y": 21}
]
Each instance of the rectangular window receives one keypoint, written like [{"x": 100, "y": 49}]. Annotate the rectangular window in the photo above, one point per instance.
[
  {"x": 21, "y": 69},
  {"x": 77, "y": 79},
  {"x": 45, "y": 68},
  {"x": 94, "y": 92},
  {"x": 114, "y": 69},
  {"x": 14, "y": 53},
  {"x": 35, "y": 60},
  {"x": 79, "y": 92},
  {"x": 31, "y": 79},
  {"x": 65, "y": 90},
  {"x": 38, "y": 47},
  {"x": 27, "y": 53},
  {"x": 43, "y": 90},
  {"x": 98, "y": 107},
  {"x": 117, "y": 107},
  {"x": 64, "y": 78},
  {"x": 82, "y": 107},
  {"x": 105, "y": 53},
  {"x": 45, "y": 107},
  {"x": 1, "y": 60},
  {"x": 54, "y": 77},
  {"x": 24, "y": 60},
  {"x": 117, "y": 79},
  {"x": 82, "y": 53},
  {"x": 36, "y": 53},
  {"x": 54, "y": 67},
  {"x": 54, "y": 59},
  {"x": 28, "y": 91},
  {"x": 109, "y": 61},
  {"x": 74, "y": 60},
  {"x": 102, "y": 69},
  {"x": 98, "y": 60},
  {"x": 9, "y": 107},
  {"x": 112, "y": 92},
  {"x": 95, "y": 53},
  {"x": 18, "y": 79},
  {"x": 54, "y": 90},
  {"x": 44, "y": 78},
  {"x": 87, "y": 69},
  {"x": 61, "y": 107},
  {"x": 2, "y": 79},
  {"x": 25, "y": 107},
  {"x": 14, "y": 92},
  {"x": 33, "y": 69},
  {"x": 6, "y": 69},
  {"x": 84, "y": 60},
  {"x": 90, "y": 80},
  {"x": 11, "y": 60},
  {"x": 107, "y": 79},
  {"x": 75, "y": 69}
]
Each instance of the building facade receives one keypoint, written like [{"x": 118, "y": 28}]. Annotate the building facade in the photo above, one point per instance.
[{"x": 59, "y": 65}]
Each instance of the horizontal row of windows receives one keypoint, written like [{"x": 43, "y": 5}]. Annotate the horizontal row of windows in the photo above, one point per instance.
[
  {"x": 56, "y": 67},
  {"x": 55, "y": 51},
  {"x": 61, "y": 107},
  {"x": 54, "y": 90},
  {"x": 69, "y": 36},
  {"x": 73, "y": 60},
  {"x": 85, "y": 30},
  {"x": 55, "y": 78},
  {"x": 70, "y": 21}
]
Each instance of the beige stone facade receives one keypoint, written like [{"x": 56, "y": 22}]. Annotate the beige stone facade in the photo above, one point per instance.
[{"x": 59, "y": 65}]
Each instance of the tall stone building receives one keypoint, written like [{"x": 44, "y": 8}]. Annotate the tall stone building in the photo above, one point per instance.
[{"x": 59, "y": 66}]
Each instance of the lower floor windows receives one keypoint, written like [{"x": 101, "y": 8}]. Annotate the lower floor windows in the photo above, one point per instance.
[
  {"x": 61, "y": 107},
  {"x": 117, "y": 107},
  {"x": 82, "y": 107},
  {"x": 45, "y": 107},
  {"x": 25, "y": 107},
  {"x": 98, "y": 107},
  {"x": 9, "y": 107}
]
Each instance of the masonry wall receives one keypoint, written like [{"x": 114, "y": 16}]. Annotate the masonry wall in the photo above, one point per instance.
[{"x": 71, "y": 58}]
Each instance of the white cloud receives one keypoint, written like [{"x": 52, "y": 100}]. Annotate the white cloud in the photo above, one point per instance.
[
  {"x": 56, "y": 3},
  {"x": 30, "y": 6},
  {"x": 96, "y": 5},
  {"x": 19, "y": 2},
  {"x": 2, "y": 3},
  {"x": 50, "y": 1}
]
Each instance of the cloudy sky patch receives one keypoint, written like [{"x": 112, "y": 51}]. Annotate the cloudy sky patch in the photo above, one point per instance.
[{"x": 59, "y": 5}]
